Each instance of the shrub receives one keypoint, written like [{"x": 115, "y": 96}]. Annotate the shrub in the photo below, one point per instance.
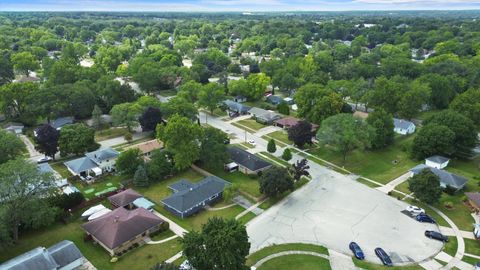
[{"x": 448, "y": 205}]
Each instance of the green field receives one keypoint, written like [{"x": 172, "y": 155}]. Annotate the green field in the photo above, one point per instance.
[
  {"x": 250, "y": 124},
  {"x": 377, "y": 165},
  {"x": 451, "y": 246},
  {"x": 110, "y": 133},
  {"x": 297, "y": 262}
]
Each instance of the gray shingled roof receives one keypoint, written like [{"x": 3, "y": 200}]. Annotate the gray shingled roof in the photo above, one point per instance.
[
  {"x": 438, "y": 159},
  {"x": 80, "y": 164},
  {"x": 474, "y": 197},
  {"x": 199, "y": 192},
  {"x": 447, "y": 178},
  {"x": 181, "y": 185},
  {"x": 246, "y": 159},
  {"x": 62, "y": 121},
  {"x": 235, "y": 106},
  {"x": 102, "y": 154},
  {"x": 121, "y": 225},
  {"x": 65, "y": 252},
  {"x": 402, "y": 123},
  {"x": 45, "y": 168}
]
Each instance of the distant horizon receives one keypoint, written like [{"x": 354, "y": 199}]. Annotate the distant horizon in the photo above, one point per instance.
[{"x": 192, "y": 6}]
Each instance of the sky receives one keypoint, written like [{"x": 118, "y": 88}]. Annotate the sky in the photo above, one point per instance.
[{"x": 234, "y": 5}]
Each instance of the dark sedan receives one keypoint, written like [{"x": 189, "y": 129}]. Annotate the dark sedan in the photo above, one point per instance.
[
  {"x": 357, "y": 251},
  {"x": 436, "y": 235},
  {"x": 425, "y": 218},
  {"x": 383, "y": 256}
]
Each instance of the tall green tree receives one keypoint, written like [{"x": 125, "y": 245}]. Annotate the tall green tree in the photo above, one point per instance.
[
  {"x": 382, "y": 123},
  {"x": 275, "y": 181},
  {"x": 426, "y": 186},
  {"x": 160, "y": 165},
  {"x": 257, "y": 84},
  {"x": 433, "y": 139},
  {"x": 468, "y": 104},
  {"x": 76, "y": 139},
  {"x": 23, "y": 189},
  {"x": 24, "y": 62},
  {"x": 140, "y": 179},
  {"x": 222, "y": 244},
  {"x": 316, "y": 103},
  {"x": 213, "y": 150},
  {"x": 6, "y": 68},
  {"x": 181, "y": 137},
  {"x": 128, "y": 161},
  {"x": 11, "y": 146},
  {"x": 97, "y": 117},
  {"x": 210, "y": 96},
  {"x": 344, "y": 133},
  {"x": 271, "y": 147},
  {"x": 125, "y": 115}
]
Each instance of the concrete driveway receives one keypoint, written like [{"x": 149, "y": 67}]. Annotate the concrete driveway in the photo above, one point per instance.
[{"x": 333, "y": 210}]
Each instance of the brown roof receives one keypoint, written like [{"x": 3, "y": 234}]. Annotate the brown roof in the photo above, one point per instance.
[
  {"x": 292, "y": 121},
  {"x": 149, "y": 146},
  {"x": 360, "y": 114},
  {"x": 121, "y": 225},
  {"x": 474, "y": 197},
  {"x": 123, "y": 198}
]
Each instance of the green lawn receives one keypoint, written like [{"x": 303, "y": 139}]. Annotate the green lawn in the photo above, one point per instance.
[
  {"x": 251, "y": 124},
  {"x": 280, "y": 135},
  {"x": 472, "y": 246},
  {"x": 377, "y": 165},
  {"x": 297, "y": 262},
  {"x": 274, "y": 158},
  {"x": 139, "y": 258},
  {"x": 246, "y": 218},
  {"x": 102, "y": 184},
  {"x": 451, "y": 246},
  {"x": 264, "y": 252},
  {"x": 470, "y": 260},
  {"x": 61, "y": 169},
  {"x": 403, "y": 187},
  {"x": 367, "y": 183},
  {"x": 110, "y": 133},
  {"x": 246, "y": 183},
  {"x": 372, "y": 266}
]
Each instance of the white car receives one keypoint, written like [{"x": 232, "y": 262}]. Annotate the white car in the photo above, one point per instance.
[
  {"x": 44, "y": 159},
  {"x": 415, "y": 210},
  {"x": 252, "y": 143}
]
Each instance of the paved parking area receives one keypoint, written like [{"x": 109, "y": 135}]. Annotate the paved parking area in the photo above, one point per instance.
[{"x": 334, "y": 210}]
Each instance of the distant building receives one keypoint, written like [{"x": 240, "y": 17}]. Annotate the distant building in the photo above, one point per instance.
[
  {"x": 236, "y": 107},
  {"x": 146, "y": 148},
  {"x": 15, "y": 128},
  {"x": 449, "y": 179},
  {"x": 437, "y": 162},
  {"x": 62, "y": 256},
  {"x": 275, "y": 100},
  {"x": 247, "y": 163},
  {"x": 403, "y": 127},
  {"x": 263, "y": 116}
]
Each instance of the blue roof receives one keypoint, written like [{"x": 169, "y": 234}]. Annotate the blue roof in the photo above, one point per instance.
[
  {"x": 102, "y": 154},
  {"x": 80, "y": 164},
  {"x": 143, "y": 203},
  {"x": 184, "y": 200},
  {"x": 62, "y": 121},
  {"x": 181, "y": 185},
  {"x": 235, "y": 106},
  {"x": 402, "y": 123},
  {"x": 446, "y": 178},
  {"x": 45, "y": 168}
]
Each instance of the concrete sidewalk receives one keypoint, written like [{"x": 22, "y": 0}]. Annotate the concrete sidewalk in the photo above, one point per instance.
[{"x": 174, "y": 227}]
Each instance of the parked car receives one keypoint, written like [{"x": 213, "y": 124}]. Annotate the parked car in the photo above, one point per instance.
[
  {"x": 357, "y": 251},
  {"x": 477, "y": 266},
  {"x": 383, "y": 256},
  {"x": 252, "y": 143},
  {"x": 415, "y": 210},
  {"x": 425, "y": 218},
  {"x": 436, "y": 235},
  {"x": 44, "y": 159}
]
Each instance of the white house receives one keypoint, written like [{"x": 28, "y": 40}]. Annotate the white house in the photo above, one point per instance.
[
  {"x": 403, "y": 127},
  {"x": 97, "y": 163},
  {"x": 437, "y": 162}
]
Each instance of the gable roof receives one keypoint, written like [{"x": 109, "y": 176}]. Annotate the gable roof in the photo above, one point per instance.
[
  {"x": 65, "y": 252},
  {"x": 197, "y": 193},
  {"x": 102, "y": 154},
  {"x": 121, "y": 225},
  {"x": 147, "y": 147},
  {"x": 446, "y": 178},
  {"x": 40, "y": 258},
  {"x": 438, "y": 159},
  {"x": 80, "y": 164},
  {"x": 402, "y": 123},
  {"x": 235, "y": 106},
  {"x": 125, "y": 197},
  {"x": 264, "y": 114},
  {"x": 246, "y": 159},
  {"x": 62, "y": 121}
]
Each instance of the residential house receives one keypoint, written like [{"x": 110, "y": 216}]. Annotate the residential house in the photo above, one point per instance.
[
  {"x": 438, "y": 162},
  {"x": 61, "y": 256},
  {"x": 61, "y": 183},
  {"x": 447, "y": 179},
  {"x": 124, "y": 198},
  {"x": 240, "y": 99},
  {"x": 97, "y": 163},
  {"x": 474, "y": 200},
  {"x": 263, "y": 116},
  {"x": 403, "y": 127},
  {"x": 120, "y": 229},
  {"x": 247, "y": 163},
  {"x": 143, "y": 203},
  {"x": 146, "y": 148},
  {"x": 235, "y": 107},
  {"x": 15, "y": 128},
  {"x": 58, "y": 123},
  {"x": 275, "y": 100},
  {"x": 289, "y": 122},
  {"x": 189, "y": 198}
]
